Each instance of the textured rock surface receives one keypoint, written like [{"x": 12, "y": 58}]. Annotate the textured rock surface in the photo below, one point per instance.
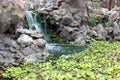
[
  {"x": 67, "y": 15},
  {"x": 23, "y": 47},
  {"x": 70, "y": 17},
  {"x": 25, "y": 40},
  {"x": 11, "y": 12}
]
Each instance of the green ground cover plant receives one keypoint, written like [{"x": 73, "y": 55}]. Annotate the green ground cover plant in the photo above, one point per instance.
[{"x": 101, "y": 61}]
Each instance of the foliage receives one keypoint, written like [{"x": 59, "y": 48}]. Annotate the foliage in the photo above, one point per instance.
[
  {"x": 110, "y": 22},
  {"x": 96, "y": 0},
  {"x": 101, "y": 61},
  {"x": 118, "y": 4},
  {"x": 92, "y": 19}
]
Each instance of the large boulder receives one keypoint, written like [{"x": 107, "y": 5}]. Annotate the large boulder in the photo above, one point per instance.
[{"x": 11, "y": 12}]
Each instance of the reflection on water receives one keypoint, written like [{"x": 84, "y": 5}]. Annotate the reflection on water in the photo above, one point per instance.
[{"x": 64, "y": 49}]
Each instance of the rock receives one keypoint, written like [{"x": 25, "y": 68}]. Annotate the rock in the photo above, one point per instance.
[
  {"x": 25, "y": 31},
  {"x": 25, "y": 40},
  {"x": 109, "y": 29},
  {"x": 57, "y": 17},
  {"x": 22, "y": 31},
  {"x": 70, "y": 29},
  {"x": 33, "y": 49},
  {"x": 56, "y": 12},
  {"x": 2, "y": 47},
  {"x": 116, "y": 29},
  {"x": 117, "y": 38},
  {"x": 84, "y": 30},
  {"x": 79, "y": 40},
  {"x": 37, "y": 57},
  {"x": 31, "y": 33},
  {"x": 12, "y": 12},
  {"x": 72, "y": 10},
  {"x": 39, "y": 42},
  {"x": 102, "y": 33},
  {"x": 11, "y": 43},
  {"x": 19, "y": 56},
  {"x": 6, "y": 54},
  {"x": 67, "y": 20},
  {"x": 63, "y": 12},
  {"x": 20, "y": 25},
  {"x": 8, "y": 47},
  {"x": 27, "y": 50},
  {"x": 94, "y": 33},
  {"x": 29, "y": 6},
  {"x": 1, "y": 60},
  {"x": 37, "y": 36},
  {"x": 69, "y": 33},
  {"x": 77, "y": 17},
  {"x": 12, "y": 51},
  {"x": 32, "y": 57},
  {"x": 8, "y": 61},
  {"x": 75, "y": 24}
]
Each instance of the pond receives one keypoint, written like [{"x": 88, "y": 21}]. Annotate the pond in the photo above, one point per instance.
[{"x": 57, "y": 50}]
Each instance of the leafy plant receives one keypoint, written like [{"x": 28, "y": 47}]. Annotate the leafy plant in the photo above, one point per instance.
[
  {"x": 110, "y": 22},
  {"x": 92, "y": 19},
  {"x": 101, "y": 61},
  {"x": 96, "y": 0}
]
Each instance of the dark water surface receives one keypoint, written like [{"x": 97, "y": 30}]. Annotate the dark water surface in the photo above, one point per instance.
[{"x": 58, "y": 50}]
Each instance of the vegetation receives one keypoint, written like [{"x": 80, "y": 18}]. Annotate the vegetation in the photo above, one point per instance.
[
  {"x": 96, "y": 0},
  {"x": 92, "y": 19},
  {"x": 101, "y": 61},
  {"x": 110, "y": 22},
  {"x": 118, "y": 4}
]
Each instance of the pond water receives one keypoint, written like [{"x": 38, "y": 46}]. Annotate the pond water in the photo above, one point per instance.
[{"x": 57, "y": 50}]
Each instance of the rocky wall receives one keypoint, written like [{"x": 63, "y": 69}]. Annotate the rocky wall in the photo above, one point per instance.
[
  {"x": 11, "y": 12},
  {"x": 69, "y": 16},
  {"x": 70, "y": 19},
  {"x": 18, "y": 44},
  {"x": 25, "y": 45}
]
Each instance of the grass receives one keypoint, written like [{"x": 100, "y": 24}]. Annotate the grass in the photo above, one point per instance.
[
  {"x": 92, "y": 20},
  {"x": 101, "y": 61}
]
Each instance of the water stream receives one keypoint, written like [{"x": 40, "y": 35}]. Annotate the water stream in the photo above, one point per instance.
[
  {"x": 32, "y": 22},
  {"x": 53, "y": 49}
]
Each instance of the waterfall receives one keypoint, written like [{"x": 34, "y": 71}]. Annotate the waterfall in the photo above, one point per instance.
[
  {"x": 32, "y": 22},
  {"x": 57, "y": 49},
  {"x": 37, "y": 26}
]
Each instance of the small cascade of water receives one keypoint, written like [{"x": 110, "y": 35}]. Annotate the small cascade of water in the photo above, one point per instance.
[
  {"x": 57, "y": 49},
  {"x": 35, "y": 25},
  {"x": 32, "y": 22}
]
